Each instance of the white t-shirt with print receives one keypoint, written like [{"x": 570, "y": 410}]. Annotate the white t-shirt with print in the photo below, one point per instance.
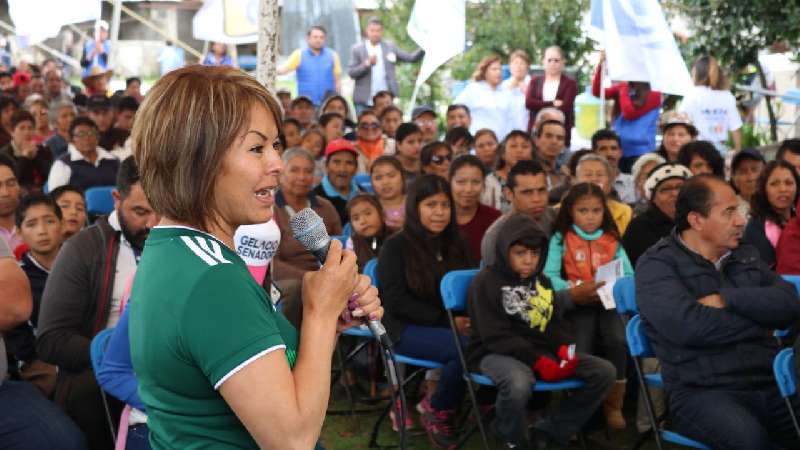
[{"x": 713, "y": 112}]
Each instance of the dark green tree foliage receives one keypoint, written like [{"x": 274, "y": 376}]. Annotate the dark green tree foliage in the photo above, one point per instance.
[
  {"x": 734, "y": 31},
  {"x": 494, "y": 27}
]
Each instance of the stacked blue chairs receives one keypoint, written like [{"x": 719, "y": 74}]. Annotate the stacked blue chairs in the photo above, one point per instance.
[
  {"x": 786, "y": 377},
  {"x": 639, "y": 346},
  {"x": 99, "y": 200},
  {"x": 454, "y": 288}
]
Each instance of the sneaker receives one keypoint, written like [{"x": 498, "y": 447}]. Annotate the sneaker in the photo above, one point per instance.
[
  {"x": 438, "y": 424},
  {"x": 394, "y": 414}
]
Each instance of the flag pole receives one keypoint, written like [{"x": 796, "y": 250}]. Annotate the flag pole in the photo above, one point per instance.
[{"x": 603, "y": 95}]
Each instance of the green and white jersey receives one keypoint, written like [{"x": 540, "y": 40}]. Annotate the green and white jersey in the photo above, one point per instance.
[{"x": 197, "y": 317}]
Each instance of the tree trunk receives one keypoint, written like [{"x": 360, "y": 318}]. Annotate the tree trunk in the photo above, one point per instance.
[
  {"x": 773, "y": 121},
  {"x": 268, "y": 40}
]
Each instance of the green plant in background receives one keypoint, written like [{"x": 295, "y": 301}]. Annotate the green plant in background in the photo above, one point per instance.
[
  {"x": 751, "y": 137},
  {"x": 395, "y": 14},
  {"x": 502, "y": 26},
  {"x": 735, "y": 31},
  {"x": 493, "y": 27}
]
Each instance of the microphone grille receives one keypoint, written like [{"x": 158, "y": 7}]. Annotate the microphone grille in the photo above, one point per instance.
[{"x": 308, "y": 228}]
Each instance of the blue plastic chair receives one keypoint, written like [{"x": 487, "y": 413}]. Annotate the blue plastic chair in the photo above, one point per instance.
[
  {"x": 625, "y": 296},
  {"x": 364, "y": 181},
  {"x": 99, "y": 200},
  {"x": 97, "y": 349},
  {"x": 454, "y": 288},
  {"x": 639, "y": 346},
  {"x": 794, "y": 279},
  {"x": 786, "y": 377},
  {"x": 362, "y": 178},
  {"x": 371, "y": 270}
]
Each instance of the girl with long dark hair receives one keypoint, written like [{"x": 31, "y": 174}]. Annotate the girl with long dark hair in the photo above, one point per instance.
[
  {"x": 586, "y": 238},
  {"x": 410, "y": 266}
]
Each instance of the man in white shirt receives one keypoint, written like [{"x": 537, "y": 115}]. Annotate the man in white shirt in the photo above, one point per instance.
[{"x": 372, "y": 65}]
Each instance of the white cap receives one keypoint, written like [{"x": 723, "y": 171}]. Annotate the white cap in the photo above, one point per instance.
[{"x": 101, "y": 24}]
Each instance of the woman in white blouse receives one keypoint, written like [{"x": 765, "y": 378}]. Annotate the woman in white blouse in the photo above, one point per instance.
[{"x": 488, "y": 102}]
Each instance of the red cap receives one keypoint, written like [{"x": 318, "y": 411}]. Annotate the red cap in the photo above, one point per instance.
[
  {"x": 21, "y": 78},
  {"x": 340, "y": 145}
]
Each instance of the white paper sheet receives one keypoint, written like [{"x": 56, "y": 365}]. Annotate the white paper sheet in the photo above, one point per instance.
[{"x": 609, "y": 273}]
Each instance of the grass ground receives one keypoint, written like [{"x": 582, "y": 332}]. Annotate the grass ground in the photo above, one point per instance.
[{"x": 345, "y": 432}]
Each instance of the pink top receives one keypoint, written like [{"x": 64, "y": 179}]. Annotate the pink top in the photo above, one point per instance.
[
  {"x": 395, "y": 217},
  {"x": 773, "y": 232},
  {"x": 12, "y": 238}
]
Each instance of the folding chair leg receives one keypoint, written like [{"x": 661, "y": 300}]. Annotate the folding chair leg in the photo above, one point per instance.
[
  {"x": 108, "y": 416},
  {"x": 475, "y": 408},
  {"x": 793, "y": 416},
  {"x": 347, "y": 392},
  {"x": 648, "y": 402}
]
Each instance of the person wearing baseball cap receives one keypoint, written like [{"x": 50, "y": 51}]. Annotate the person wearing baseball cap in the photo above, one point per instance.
[
  {"x": 661, "y": 190},
  {"x": 338, "y": 186},
  {"x": 102, "y": 113},
  {"x": 425, "y": 118},
  {"x": 677, "y": 129}
]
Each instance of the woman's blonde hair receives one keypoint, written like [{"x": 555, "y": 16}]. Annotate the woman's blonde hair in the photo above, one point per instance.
[
  {"x": 706, "y": 72},
  {"x": 182, "y": 131},
  {"x": 483, "y": 66}
]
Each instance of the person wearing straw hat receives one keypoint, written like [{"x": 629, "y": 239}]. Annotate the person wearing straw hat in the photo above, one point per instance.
[
  {"x": 94, "y": 60},
  {"x": 677, "y": 130}
]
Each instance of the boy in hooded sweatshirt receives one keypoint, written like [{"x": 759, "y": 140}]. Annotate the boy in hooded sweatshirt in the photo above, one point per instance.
[{"x": 519, "y": 336}]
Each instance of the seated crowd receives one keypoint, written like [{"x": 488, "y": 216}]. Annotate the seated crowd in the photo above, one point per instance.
[{"x": 512, "y": 200}]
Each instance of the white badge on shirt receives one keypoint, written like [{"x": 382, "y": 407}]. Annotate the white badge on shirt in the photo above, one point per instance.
[{"x": 274, "y": 294}]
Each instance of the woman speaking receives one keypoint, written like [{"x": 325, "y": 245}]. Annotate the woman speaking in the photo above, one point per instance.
[{"x": 218, "y": 367}]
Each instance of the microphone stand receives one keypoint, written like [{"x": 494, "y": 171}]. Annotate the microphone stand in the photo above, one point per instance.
[{"x": 390, "y": 364}]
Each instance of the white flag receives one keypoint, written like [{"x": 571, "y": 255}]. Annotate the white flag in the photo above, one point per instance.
[
  {"x": 38, "y": 20},
  {"x": 227, "y": 21},
  {"x": 439, "y": 28},
  {"x": 639, "y": 44}
]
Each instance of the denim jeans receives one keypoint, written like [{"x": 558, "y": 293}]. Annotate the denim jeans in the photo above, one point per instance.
[
  {"x": 600, "y": 329},
  {"x": 28, "y": 421},
  {"x": 138, "y": 437},
  {"x": 436, "y": 344},
  {"x": 514, "y": 381},
  {"x": 756, "y": 419}
]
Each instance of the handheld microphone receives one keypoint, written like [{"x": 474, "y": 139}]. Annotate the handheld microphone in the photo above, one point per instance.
[{"x": 308, "y": 228}]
